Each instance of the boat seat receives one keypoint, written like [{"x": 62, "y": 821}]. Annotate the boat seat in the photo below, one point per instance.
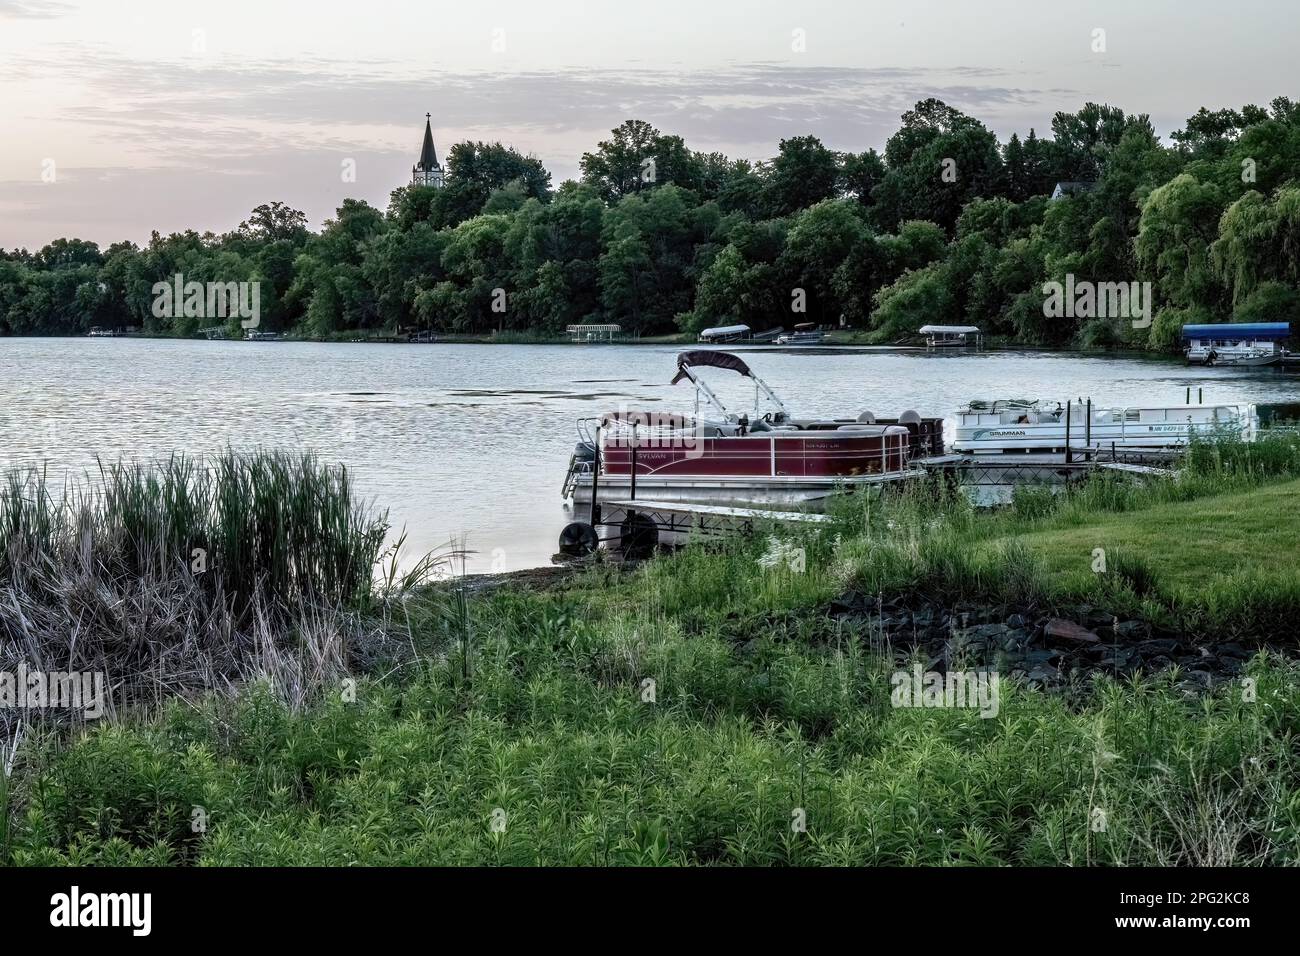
[
  {"x": 867, "y": 418},
  {"x": 908, "y": 417}
]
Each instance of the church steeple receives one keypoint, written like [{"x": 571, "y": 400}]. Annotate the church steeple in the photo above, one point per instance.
[{"x": 427, "y": 172}]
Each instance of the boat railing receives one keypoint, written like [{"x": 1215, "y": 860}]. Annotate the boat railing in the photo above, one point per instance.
[
  {"x": 578, "y": 469},
  {"x": 587, "y": 430}
]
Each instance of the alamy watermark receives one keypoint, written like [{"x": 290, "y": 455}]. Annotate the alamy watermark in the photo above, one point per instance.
[
  {"x": 976, "y": 690},
  {"x": 208, "y": 300},
  {"x": 1098, "y": 300},
  {"x": 133, "y": 911},
  {"x": 53, "y": 690}
]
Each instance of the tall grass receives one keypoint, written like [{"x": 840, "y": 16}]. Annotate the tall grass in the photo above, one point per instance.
[
  {"x": 281, "y": 526},
  {"x": 1274, "y": 455},
  {"x": 188, "y": 572},
  {"x": 9, "y": 744}
]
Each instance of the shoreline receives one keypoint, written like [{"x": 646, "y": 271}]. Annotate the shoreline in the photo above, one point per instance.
[{"x": 682, "y": 341}]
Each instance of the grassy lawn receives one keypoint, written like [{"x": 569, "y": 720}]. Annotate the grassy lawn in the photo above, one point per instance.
[{"x": 1186, "y": 543}]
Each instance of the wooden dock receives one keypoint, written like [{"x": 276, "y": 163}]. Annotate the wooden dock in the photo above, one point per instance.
[
  {"x": 675, "y": 521},
  {"x": 991, "y": 480},
  {"x": 716, "y": 513},
  {"x": 1130, "y": 468}
]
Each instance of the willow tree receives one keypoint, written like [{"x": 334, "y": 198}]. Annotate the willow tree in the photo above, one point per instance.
[{"x": 1179, "y": 223}]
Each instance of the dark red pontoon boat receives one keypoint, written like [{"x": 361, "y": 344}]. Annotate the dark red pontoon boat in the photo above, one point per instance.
[{"x": 769, "y": 457}]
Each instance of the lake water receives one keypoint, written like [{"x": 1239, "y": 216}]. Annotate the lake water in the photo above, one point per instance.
[{"x": 474, "y": 440}]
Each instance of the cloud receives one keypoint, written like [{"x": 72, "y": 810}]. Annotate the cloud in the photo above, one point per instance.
[
  {"x": 324, "y": 105},
  {"x": 207, "y": 139}
]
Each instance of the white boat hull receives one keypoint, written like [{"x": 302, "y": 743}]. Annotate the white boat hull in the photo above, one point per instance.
[
  {"x": 1252, "y": 361},
  {"x": 722, "y": 490},
  {"x": 1151, "y": 428},
  {"x": 1252, "y": 358}
]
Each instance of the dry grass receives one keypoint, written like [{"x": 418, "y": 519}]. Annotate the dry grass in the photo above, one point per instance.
[{"x": 192, "y": 575}]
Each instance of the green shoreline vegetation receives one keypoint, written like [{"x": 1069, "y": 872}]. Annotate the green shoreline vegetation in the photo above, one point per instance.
[
  {"x": 683, "y": 711},
  {"x": 946, "y": 225}
]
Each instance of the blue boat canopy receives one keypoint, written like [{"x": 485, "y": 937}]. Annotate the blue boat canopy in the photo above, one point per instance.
[{"x": 1238, "y": 330}]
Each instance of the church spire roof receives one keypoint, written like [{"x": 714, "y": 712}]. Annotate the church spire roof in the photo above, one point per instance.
[{"x": 428, "y": 155}]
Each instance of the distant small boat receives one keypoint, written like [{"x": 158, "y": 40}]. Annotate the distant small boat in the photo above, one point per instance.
[
  {"x": 424, "y": 337},
  {"x": 1253, "y": 359},
  {"x": 98, "y": 333},
  {"x": 252, "y": 336},
  {"x": 805, "y": 333},
  {"x": 951, "y": 336},
  {"x": 1250, "y": 344},
  {"x": 725, "y": 333}
]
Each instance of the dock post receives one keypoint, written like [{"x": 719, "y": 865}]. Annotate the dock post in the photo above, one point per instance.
[
  {"x": 595, "y": 482},
  {"x": 1068, "y": 406},
  {"x": 1087, "y": 428},
  {"x": 633, "y": 491}
]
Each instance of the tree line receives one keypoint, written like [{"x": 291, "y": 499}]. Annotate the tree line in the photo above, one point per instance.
[{"x": 947, "y": 225}]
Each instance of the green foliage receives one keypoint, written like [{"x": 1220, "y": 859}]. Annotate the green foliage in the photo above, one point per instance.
[
  {"x": 945, "y": 225},
  {"x": 547, "y": 752}
]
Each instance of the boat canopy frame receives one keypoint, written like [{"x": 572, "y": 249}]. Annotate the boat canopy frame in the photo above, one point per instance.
[{"x": 697, "y": 358}]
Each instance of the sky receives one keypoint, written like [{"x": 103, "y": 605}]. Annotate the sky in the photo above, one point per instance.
[{"x": 119, "y": 117}]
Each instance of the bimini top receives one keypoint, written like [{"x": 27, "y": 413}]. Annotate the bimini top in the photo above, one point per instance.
[
  {"x": 955, "y": 329},
  {"x": 724, "y": 330},
  {"x": 1238, "y": 330},
  {"x": 698, "y": 357}
]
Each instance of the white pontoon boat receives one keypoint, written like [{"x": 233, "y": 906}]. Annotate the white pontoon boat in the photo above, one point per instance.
[{"x": 1017, "y": 425}]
